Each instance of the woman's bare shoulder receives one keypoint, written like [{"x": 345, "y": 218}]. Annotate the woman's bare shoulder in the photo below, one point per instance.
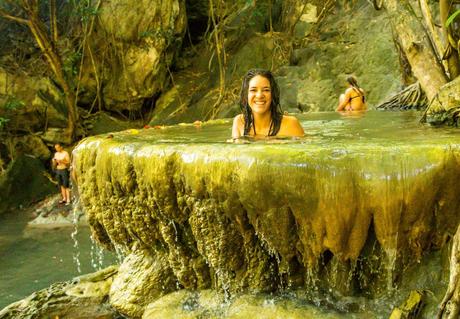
[
  {"x": 238, "y": 126},
  {"x": 349, "y": 90},
  {"x": 238, "y": 119},
  {"x": 290, "y": 118},
  {"x": 290, "y": 126}
]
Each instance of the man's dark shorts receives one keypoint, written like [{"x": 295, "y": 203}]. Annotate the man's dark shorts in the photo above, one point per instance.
[{"x": 63, "y": 177}]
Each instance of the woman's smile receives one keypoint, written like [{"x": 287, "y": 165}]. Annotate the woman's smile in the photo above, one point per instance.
[{"x": 259, "y": 95}]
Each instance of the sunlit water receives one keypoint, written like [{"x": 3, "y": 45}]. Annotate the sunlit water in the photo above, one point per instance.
[
  {"x": 32, "y": 259},
  {"x": 322, "y": 129}
]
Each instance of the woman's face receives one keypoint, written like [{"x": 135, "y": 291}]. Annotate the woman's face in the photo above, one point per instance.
[{"x": 259, "y": 95}]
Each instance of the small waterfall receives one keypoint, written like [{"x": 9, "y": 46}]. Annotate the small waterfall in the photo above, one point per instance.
[
  {"x": 97, "y": 255},
  {"x": 120, "y": 253},
  {"x": 76, "y": 248}
]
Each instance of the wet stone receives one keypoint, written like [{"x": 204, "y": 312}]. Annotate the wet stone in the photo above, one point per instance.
[{"x": 344, "y": 210}]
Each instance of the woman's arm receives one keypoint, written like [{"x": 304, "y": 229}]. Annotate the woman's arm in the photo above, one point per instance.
[
  {"x": 344, "y": 100},
  {"x": 238, "y": 126}
]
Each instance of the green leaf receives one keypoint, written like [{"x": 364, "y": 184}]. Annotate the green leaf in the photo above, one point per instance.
[
  {"x": 3, "y": 122},
  {"x": 451, "y": 18},
  {"x": 13, "y": 103}
]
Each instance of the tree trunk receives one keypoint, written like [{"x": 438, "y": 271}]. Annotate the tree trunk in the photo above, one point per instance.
[
  {"x": 416, "y": 46},
  {"x": 292, "y": 11},
  {"x": 54, "y": 60},
  {"x": 450, "y": 306},
  {"x": 450, "y": 50},
  {"x": 433, "y": 33},
  {"x": 48, "y": 46}
]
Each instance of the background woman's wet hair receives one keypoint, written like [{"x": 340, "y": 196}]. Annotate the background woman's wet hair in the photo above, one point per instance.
[
  {"x": 353, "y": 81},
  {"x": 275, "y": 108}
]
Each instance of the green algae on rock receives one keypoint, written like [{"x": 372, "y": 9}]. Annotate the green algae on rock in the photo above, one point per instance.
[
  {"x": 141, "y": 279},
  {"x": 445, "y": 108},
  {"x": 83, "y": 297},
  {"x": 347, "y": 208},
  {"x": 209, "y": 304}
]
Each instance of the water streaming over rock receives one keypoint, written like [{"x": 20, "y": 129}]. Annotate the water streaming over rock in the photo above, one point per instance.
[
  {"x": 343, "y": 211},
  {"x": 76, "y": 254}
]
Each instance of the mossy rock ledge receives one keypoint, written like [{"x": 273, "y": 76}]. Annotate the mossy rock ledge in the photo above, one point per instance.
[{"x": 265, "y": 216}]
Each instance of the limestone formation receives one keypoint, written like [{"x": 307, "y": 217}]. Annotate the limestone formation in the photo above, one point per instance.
[
  {"x": 209, "y": 304},
  {"x": 445, "y": 107},
  {"x": 133, "y": 45},
  {"x": 84, "y": 297},
  {"x": 39, "y": 102},
  {"x": 30, "y": 145},
  {"x": 24, "y": 171},
  {"x": 141, "y": 279},
  {"x": 260, "y": 217}
]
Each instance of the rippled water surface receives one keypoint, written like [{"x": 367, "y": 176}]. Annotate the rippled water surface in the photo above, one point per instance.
[
  {"x": 322, "y": 128},
  {"x": 32, "y": 259}
]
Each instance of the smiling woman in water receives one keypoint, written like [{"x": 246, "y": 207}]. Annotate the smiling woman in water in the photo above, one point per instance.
[{"x": 261, "y": 111}]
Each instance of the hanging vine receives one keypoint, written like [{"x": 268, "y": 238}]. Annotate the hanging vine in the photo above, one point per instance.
[
  {"x": 217, "y": 15},
  {"x": 88, "y": 13}
]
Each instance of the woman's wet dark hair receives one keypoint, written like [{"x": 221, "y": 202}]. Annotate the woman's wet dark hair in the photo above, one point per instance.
[
  {"x": 275, "y": 108},
  {"x": 353, "y": 81}
]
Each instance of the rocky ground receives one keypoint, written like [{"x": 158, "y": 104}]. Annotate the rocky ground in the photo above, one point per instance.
[
  {"x": 83, "y": 297},
  {"x": 49, "y": 213}
]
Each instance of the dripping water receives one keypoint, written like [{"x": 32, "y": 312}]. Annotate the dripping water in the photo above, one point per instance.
[{"x": 76, "y": 254}]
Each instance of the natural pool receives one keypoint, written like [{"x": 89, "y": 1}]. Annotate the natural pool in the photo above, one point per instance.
[
  {"x": 328, "y": 129},
  {"x": 289, "y": 215},
  {"x": 33, "y": 259}
]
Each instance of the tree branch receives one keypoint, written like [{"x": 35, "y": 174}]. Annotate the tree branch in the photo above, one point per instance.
[
  {"x": 53, "y": 21},
  {"x": 6, "y": 15}
]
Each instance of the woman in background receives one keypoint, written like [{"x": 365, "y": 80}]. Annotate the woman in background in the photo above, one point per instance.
[{"x": 354, "y": 98}]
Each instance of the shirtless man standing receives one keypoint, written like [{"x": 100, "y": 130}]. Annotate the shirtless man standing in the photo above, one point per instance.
[{"x": 61, "y": 163}]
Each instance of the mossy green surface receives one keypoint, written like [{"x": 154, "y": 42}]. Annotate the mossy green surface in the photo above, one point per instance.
[
  {"x": 141, "y": 279},
  {"x": 346, "y": 208},
  {"x": 208, "y": 304},
  {"x": 83, "y": 297}
]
